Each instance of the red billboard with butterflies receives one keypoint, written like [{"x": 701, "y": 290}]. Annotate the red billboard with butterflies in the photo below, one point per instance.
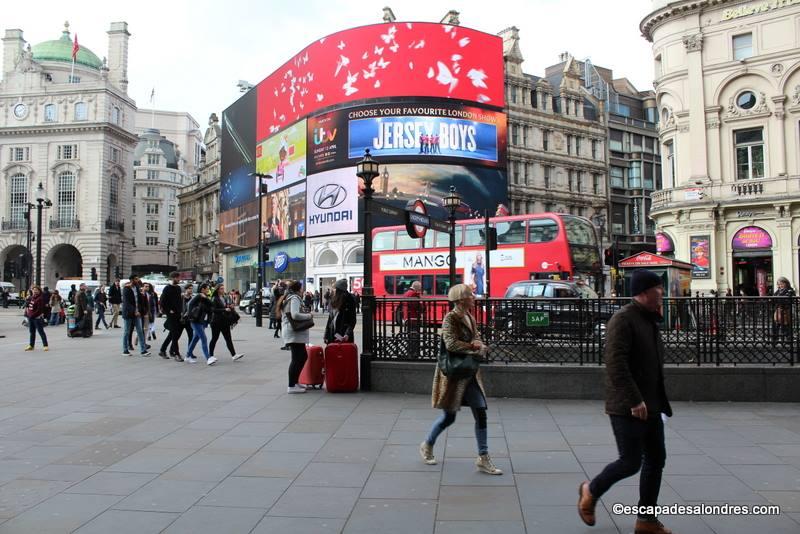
[{"x": 383, "y": 60}]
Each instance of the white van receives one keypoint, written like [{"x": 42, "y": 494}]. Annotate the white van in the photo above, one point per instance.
[{"x": 64, "y": 286}]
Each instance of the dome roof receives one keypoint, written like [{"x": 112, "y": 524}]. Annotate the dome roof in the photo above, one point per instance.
[{"x": 61, "y": 50}]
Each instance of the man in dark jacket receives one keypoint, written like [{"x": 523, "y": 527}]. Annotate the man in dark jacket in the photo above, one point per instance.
[
  {"x": 172, "y": 307},
  {"x": 83, "y": 312},
  {"x": 134, "y": 307},
  {"x": 115, "y": 299},
  {"x": 635, "y": 400}
]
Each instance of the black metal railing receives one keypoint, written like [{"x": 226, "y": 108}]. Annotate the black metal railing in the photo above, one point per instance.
[
  {"x": 113, "y": 224},
  {"x": 65, "y": 224},
  {"x": 14, "y": 224},
  {"x": 694, "y": 330}
]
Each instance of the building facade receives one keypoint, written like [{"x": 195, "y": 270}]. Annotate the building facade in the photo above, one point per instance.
[
  {"x": 728, "y": 93},
  {"x": 158, "y": 177},
  {"x": 70, "y": 128},
  {"x": 199, "y": 209}
]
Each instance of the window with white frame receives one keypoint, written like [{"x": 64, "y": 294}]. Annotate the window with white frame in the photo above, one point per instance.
[
  {"x": 669, "y": 152},
  {"x": 578, "y": 146},
  {"x": 594, "y": 149},
  {"x": 570, "y": 174},
  {"x": 547, "y": 175},
  {"x": 514, "y": 137},
  {"x": 114, "y": 155},
  {"x": 151, "y": 241},
  {"x": 545, "y": 139},
  {"x": 20, "y": 153},
  {"x": 749, "y": 153},
  {"x": 152, "y": 225},
  {"x": 171, "y": 226},
  {"x": 152, "y": 175},
  {"x": 67, "y": 152},
  {"x": 617, "y": 176},
  {"x": 18, "y": 197},
  {"x": 65, "y": 208},
  {"x": 742, "y": 46},
  {"x": 113, "y": 194},
  {"x": 50, "y": 113},
  {"x": 596, "y": 183},
  {"x": 635, "y": 174},
  {"x": 171, "y": 241},
  {"x": 81, "y": 111},
  {"x": 524, "y": 135},
  {"x": 569, "y": 144},
  {"x": 153, "y": 159},
  {"x": 171, "y": 209},
  {"x": 152, "y": 208},
  {"x": 152, "y": 192},
  {"x": 173, "y": 194},
  {"x": 115, "y": 114}
]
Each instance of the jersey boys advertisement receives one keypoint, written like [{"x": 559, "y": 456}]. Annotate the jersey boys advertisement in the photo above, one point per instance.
[
  {"x": 439, "y": 132},
  {"x": 379, "y": 61}
]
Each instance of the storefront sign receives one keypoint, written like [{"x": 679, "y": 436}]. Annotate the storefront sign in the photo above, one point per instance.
[
  {"x": 751, "y": 237},
  {"x": 700, "y": 248},
  {"x": 241, "y": 260},
  {"x": 694, "y": 193},
  {"x": 510, "y": 257},
  {"x": 754, "y": 9},
  {"x": 281, "y": 262},
  {"x": 664, "y": 243}
]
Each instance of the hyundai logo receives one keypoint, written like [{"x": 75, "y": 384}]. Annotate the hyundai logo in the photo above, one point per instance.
[{"x": 329, "y": 196}]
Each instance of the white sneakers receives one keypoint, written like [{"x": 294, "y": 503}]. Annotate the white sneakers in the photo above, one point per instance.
[
  {"x": 297, "y": 388},
  {"x": 211, "y": 361},
  {"x": 190, "y": 359},
  {"x": 237, "y": 356}
]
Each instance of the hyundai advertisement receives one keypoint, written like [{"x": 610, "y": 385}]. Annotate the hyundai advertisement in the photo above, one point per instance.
[{"x": 332, "y": 203}]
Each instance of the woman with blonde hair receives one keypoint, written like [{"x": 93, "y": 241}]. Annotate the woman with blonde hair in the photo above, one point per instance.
[{"x": 449, "y": 393}]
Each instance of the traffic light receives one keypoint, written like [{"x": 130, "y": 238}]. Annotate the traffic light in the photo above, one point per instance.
[
  {"x": 116, "y": 272},
  {"x": 94, "y": 273},
  {"x": 610, "y": 256},
  {"x": 492, "y": 238}
]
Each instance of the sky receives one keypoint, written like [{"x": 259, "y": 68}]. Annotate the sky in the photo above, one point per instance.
[{"x": 193, "y": 53}]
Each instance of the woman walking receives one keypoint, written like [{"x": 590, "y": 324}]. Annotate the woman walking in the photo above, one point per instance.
[
  {"x": 342, "y": 318},
  {"x": 221, "y": 320},
  {"x": 56, "y": 305},
  {"x": 34, "y": 312},
  {"x": 782, "y": 318},
  {"x": 199, "y": 313},
  {"x": 101, "y": 304},
  {"x": 460, "y": 335},
  {"x": 292, "y": 305}
]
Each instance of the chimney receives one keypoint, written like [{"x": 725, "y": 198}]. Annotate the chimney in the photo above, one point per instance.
[
  {"x": 118, "y": 55},
  {"x": 451, "y": 18},
  {"x": 13, "y": 44},
  {"x": 388, "y": 14}
]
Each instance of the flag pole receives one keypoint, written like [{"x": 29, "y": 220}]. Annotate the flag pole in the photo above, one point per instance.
[{"x": 153, "y": 108}]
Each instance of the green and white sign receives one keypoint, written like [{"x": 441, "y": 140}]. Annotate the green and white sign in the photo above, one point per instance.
[{"x": 537, "y": 319}]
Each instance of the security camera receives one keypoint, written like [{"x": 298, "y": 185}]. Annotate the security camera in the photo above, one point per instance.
[{"x": 244, "y": 86}]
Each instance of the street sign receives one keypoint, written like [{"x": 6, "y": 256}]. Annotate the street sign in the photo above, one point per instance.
[
  {"x": 441, "y": 226},
  {"x": 417, "y": 220},
  {"x": 389, "y": 211},
  {"x": 537, "y": 319}
]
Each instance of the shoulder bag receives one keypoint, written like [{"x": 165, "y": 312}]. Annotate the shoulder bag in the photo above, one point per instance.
[
  {"x": 298, "y": 325},
  {"x": 456, "y": 364}
]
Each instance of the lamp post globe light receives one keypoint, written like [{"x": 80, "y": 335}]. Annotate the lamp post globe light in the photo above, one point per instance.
[
  {"x": 41, "y": 202},
  {"x": 260, "y": 282},
  {"x": 367, "y": 169},
  {"x": 452, "y": 202}
]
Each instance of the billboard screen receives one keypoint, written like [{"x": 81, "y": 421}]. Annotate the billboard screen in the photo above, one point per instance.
[
  {"x": 238, "y": 137},
  {"x": 285, "y": 213},
  {"x": 332, "y": 202},
  {"x": 283, "y": 156},
  {"x": 439, "y": 132},
  {"x": 379, "y": 61},
  {"x": 239, "y": 226}
]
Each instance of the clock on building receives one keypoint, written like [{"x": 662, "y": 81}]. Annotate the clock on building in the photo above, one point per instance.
[{"x": 20, "y": 110}]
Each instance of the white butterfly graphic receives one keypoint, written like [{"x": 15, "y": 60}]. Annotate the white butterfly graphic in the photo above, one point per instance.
[
  {"x": 464, "y": 41},
  {"x": 477, "y": 76},
  {"x": 394, "y": 47},
  {"x": 378, "y": 51},
  {"x": 420, "y": 44},
  {"x": 483, "y": 98},
  {"x": 383, "y": 64},
  {"x": 341, "y": 45},
  {"x": 320, "y": 96},
  {"x": 388, "y": 37},
  {"x": 445, "y": 77},
  {"x": 343, "y": 62}
]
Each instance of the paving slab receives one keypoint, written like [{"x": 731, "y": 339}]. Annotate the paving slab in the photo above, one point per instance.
[
  {"x": 128, "y": 522},
  {"x": 214, "y": 520},
  {"x": 394, "y": 516}
]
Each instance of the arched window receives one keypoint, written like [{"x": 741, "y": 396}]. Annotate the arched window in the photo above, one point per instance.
[
  {"x": 81, "y": 111},
  {"x": 328, "y": 257},
  {"x": 356, "y": 256},
  {"x": 50, "y": 113},
  {"x": 66, "y": 199},
  {"x": 18, "y": 199},
  {"x": 115, "y": 115}
]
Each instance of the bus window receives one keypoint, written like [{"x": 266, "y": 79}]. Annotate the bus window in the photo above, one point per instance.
[
  {"x": 542, "y": 230},
  {"x": 474, "y": 235},
  {"x": 511, "y": 232},
  {"x": 406, "y": 242},
  {"x": 443, "y": 239},
  {"x": 388, "y": 284},
  {"x": 404, "y": 283},
  {"x": 383, "y": 241},
  {"x": 582, "y": 244},
  {"x": 429, "y": 240},
  {"x": 579, "y": 231},
  {"x": 443, "y": 283},
  {"x": 427, "y": 284}
]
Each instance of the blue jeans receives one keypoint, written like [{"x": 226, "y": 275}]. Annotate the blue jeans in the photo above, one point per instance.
[
  {"x": 54, "y": 318},
  {"x": 35, "y": 325},
  {"x": 474, "y": 398},
  {"x": 101, "y": 316},
  {"x": 198, "y": 335},
  {"x": 129, "y": 326}
]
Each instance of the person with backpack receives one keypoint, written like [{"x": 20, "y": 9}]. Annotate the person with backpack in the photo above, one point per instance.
[
  {"x": 224, "y": 316},
  {"x": 199, "y": 313},
  {"x": 342, "y": 317},
  {"x": 100, "y": 302},
  {"x": 296, "y": 322}
]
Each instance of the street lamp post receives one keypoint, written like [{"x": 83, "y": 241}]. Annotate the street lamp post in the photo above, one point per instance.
[
  {"x": 599, "y": 220},
  {"x": 260, "y": 283},
  {"x": 168, "y": 254},
  {"x": 367, "y": 169},
  {"x": 41, "y": 203},
  {"x": 452, "y": 202},
  {"x": 28, "y": 253}
]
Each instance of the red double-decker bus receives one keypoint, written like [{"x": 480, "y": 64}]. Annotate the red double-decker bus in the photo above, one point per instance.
[{"x": 540, "y": 246}]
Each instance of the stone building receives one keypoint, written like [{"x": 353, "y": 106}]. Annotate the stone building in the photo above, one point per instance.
[
  {"x": 199, "y": 210},
  {"x": 727, "y": 77},
  {"x": 69, "y": 127}
]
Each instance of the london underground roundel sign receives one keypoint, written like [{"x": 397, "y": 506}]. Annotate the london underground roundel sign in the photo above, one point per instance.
[{"x": 417, "y": 212}]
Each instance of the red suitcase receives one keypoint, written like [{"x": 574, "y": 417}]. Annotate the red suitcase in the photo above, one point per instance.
[
  {"x": 313, "y": 373},
  {"x": 341, "y": 367}
]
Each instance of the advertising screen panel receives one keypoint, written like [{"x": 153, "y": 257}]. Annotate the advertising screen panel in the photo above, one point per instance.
[
  {"x": 440, "y": 132},
  {"x": 285, "y": 213},
  {"x": 379, "y": 61},
  {"x": 332, "y": 202},
  {"x": 283, "y": 156},
  {"x": 239, "y": 226},
  {"x": 238, "y": 137}
]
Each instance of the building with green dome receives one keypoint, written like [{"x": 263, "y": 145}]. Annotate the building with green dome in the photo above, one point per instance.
[{"x": 61, "y": 50}]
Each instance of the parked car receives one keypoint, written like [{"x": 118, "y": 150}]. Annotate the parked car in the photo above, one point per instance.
[
  {"x": 247, "y": 303},
  {"x": 13, "y": 296}
]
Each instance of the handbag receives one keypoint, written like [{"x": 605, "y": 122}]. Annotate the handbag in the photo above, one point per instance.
[
  {"x": 456, "y": 364},
  {"x": 298, "y": 325}
]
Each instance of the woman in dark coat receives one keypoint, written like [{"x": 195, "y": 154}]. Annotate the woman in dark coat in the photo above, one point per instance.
[
  {"x": 221, "y": 320},
  {"x": 342, "y": 317}
]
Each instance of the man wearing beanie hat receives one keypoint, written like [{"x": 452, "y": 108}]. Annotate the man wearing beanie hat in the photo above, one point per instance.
[
  {"x": 342, "y": 317},
  {"x": 635, "y": 400}
]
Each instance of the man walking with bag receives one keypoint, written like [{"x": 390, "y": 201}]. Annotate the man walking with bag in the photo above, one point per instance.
[{"x": 635, "y": 400}]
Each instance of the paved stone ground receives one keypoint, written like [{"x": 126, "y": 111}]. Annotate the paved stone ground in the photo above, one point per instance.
[{"x": 94, "y": 442}]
